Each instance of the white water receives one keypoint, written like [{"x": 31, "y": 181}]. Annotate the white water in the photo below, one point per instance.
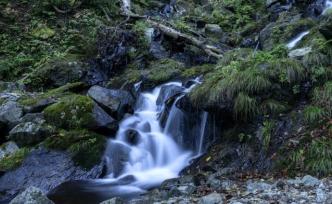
[
  {"x": 156, "y": 156},
  {"x": 297, "y": 39},
  {"x": 328, "y": 5}
]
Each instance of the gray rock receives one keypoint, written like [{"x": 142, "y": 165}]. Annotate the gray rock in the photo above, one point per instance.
[
  {"x": 310, "y": 181},
  {"x": 29, "y": 133},
  {"x": 31, "y": 195},
  {"x": 113, "y": 101},
  {"x": 213, "y": 198},
  {"x": 33, "y": 117},
  {"x": 103, "y": 122},
  {"x": 113, "y": 201},
  {"x": 7, "y": 149},
  {"x": 10, "y": 113},
  {"x": 43, "y": 169},
  {"x": 254, "y": 187},
  {"x": 116, "y": 155},
  {"x": 299, "y": 53}
]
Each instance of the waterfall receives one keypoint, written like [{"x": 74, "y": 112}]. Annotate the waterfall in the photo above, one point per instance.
[
  {"x": 328, "y": 5},
  {"x": 297, "y": 39},
  {"x": 154, "y": 153},
  {"x": 202, "y": 131}
]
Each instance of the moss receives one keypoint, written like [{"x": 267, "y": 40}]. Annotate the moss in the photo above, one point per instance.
[
  {"x": 86, "y": 147},
  {"x": 197, "y": 71},
  {"x": 163, "y": 70},
  {"x": 57, "y": 72},
  {"x": 71, "y": 112},
  {"x": 53, "y": 93},
  {"x": 14, "y": 160}
]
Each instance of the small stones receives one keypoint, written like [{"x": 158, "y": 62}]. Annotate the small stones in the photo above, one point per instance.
[{"x": 213, "y": 198}]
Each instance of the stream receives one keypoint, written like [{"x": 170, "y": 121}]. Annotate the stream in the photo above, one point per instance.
[{"x": 145, "y": 152}]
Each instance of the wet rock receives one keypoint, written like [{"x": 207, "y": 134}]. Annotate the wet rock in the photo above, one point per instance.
[
  {"x": 115, "y": 102},
  {"x": 103, "y": 123},
  {"x": 10, "y": 113},
  {"x": 299, "y": 53},
  {"x": 29, "y": 133},
  {"x": 113, "y": 201},
  {"x": 167, "y": 92},
  {"x": 31, "y": 195},
  {"x": 213, "y": 198},
  {"x": 7, "y": 149},
  {"x": 132, "y": 136},
  {"x": 116, "y": 156},
  {"x": 43, "y": 169}
]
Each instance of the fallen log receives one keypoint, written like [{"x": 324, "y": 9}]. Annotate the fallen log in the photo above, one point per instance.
[{"x": 173, "y": 33}]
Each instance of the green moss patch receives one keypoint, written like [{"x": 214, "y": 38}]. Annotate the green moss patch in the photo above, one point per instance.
[
  {"x": 14, "y": 160},
  {"x": 86, "y": 147},
  {"x": 71, "y": 112}
]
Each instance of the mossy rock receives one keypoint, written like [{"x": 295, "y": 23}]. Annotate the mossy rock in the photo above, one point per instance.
[
  {"x": 156, "y": 73},
  {"x": 52, "y": 94},
  {"x": 56, "y": 73},
  {"x": 71, "y": 112},
  {"x": 163, "y": 70},
  {"x": 14, "y": 160},
  {"x": 86, "y": 147}
]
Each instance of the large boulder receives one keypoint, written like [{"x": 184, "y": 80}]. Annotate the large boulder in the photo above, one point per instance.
[
  {"x": 10, "y": 113},
  {"x": 29, "y": 133},
  {"x": 43, "y": 169},
  {"x": 115, "y": 102},
  {"x": 31, "y": 195}
]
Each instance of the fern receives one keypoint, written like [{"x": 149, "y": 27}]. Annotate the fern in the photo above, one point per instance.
[
  {"x": 245, "y": 107},
  {"x": 313, "y": 114}
]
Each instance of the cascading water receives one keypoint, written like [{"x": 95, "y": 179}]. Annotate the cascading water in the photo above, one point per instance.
[
  {"x": 297, "y": 39},
  {"x": 145, "y": 151},
  {"x": 328, "y": 5},
  {"x": 155, "y": 155}
]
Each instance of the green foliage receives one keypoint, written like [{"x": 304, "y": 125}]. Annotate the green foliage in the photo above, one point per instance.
[
  {"x": 314, "y": 157},
  {"x": 86, "y": 147},
  {"x": 273, "y": 107},
  {"x": 245, "y": 107},
  {"x": 313, "y": 115},
  {"x": 43, "y": 36},
  {"x": 140, "y": 28},
  {"x": 289, "y": 70},
  {"x": 267, "y": 129},
  {"x": 71, "y": 112},
  {"x": 232, "y": 15},
  {"x": 14, "y": 160}
]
